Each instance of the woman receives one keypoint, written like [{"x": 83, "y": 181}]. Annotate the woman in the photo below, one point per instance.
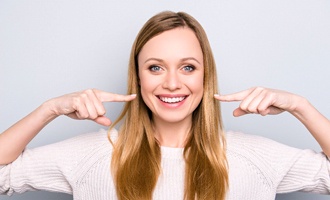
[{"x": 171, "y": 143}]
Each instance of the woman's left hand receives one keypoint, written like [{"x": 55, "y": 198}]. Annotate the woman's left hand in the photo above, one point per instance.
[{"x": 263, "y": 101}]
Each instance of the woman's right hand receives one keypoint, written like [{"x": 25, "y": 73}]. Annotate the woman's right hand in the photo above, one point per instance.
[
  {"x": 80, "y": 105},
  {"x": 86, "y": 104}
]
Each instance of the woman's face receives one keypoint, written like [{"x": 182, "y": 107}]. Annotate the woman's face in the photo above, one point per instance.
[{"x": 171, "y": 75}]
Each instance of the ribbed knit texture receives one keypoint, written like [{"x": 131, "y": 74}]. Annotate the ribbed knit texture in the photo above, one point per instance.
[{"x": 258, "y": 169}]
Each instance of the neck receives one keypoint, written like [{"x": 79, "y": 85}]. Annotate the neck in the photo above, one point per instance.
[{"x": 172, "y": 134}]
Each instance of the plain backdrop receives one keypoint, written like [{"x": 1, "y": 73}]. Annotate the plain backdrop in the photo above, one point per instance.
[{"x": 49, "y": 48}]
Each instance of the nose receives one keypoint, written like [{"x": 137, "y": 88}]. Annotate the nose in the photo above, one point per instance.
[{"x": 172, "y": 81}]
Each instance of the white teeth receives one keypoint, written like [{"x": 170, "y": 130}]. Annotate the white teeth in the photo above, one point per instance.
[{"x": 172, "y": 100}]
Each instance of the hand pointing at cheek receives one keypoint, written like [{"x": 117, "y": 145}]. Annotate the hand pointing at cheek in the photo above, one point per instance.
[
  {"x": 86, "y": 104},
  {"x": 261, "y": 101}
]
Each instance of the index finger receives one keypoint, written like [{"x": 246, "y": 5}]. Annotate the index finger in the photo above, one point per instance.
[
  {"x": 112, "y": 97},
  {"x": 238, "y": 96}
]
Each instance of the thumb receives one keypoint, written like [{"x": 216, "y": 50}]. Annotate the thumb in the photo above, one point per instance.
[
  {"x": 102, "y": 120},
  {"x": 239, "y": 112}
]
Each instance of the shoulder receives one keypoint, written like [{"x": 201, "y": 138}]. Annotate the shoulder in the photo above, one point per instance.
[
  {"x": 81, "y": 152},
  {"x": 256, "y": 159},
  {"x": 263, "y": 153},
  {"x": 242, "y": 142},
  {"x": 75, "y": 149},
  {"x": 90, "y": 139}
]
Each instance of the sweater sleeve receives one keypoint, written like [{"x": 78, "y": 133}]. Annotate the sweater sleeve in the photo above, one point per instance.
[
  {"x": 49, "y": 167},
  {"x": 286, "y": 168},
  {"x": 306, "y": 171}
]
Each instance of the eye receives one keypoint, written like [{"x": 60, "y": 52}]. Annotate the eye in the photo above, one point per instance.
[
  {"x": 154, "y": 68},
  {"x": 188, "y": 68}
]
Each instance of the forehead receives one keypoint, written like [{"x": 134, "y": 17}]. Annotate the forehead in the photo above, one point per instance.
[{"x": 173, "y": 44}]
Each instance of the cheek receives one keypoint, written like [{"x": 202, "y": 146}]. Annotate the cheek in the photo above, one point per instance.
[
  {"x": 148, "y": 85},
  {"x": 144, "y": 92},
  {"x": 196, "y": 85}
]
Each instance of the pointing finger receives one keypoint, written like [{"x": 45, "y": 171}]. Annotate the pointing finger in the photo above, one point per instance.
[
  {"x": 111, "y": 97},
  {"x": 238, "y": 96},
  {"x": 123, "y": 98}
]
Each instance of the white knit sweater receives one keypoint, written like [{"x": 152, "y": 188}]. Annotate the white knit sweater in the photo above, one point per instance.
[{"x": 258, "y": 169}]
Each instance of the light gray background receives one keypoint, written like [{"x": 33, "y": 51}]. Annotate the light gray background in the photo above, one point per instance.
[{"x": 49, "y": 48}]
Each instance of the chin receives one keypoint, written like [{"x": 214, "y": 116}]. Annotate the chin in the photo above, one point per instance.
[{"x": 174, "y": 118}]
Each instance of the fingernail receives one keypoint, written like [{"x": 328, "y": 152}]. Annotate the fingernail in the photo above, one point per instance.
[{"x": 133, "y": 95}]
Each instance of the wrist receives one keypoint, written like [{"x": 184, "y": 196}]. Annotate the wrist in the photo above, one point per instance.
[
  {"x": 301, "y": 107},
  {"x": 47, "y": 111}
]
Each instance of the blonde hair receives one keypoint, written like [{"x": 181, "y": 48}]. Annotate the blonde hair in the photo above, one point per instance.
[{"x": 136, "y": 157}]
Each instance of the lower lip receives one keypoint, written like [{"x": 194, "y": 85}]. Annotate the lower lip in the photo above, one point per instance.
[{"x": 173, "y": 105}]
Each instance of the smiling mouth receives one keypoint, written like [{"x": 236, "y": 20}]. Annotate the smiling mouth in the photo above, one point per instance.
[{"x": 172, "y": 99}]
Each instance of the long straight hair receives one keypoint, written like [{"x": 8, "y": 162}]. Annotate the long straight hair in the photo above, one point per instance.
[{"x": 136, "y": 158}]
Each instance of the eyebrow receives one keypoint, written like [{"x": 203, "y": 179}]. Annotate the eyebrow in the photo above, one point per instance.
[{"x": 182, "y": 60}]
